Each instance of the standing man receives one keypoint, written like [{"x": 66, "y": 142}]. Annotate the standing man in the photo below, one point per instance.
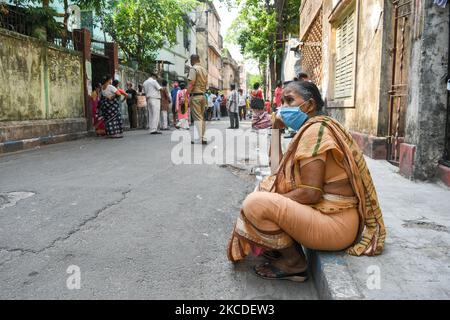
[
  {"x": 198, "y": 80},
  {"x": 132, "y": 103},
  {"x": 173, "y": 94},
  {"x": 211, "y": 99},
  {"x": 233, "y": 108},
  {"x": 242, "y": 105},
  {"x": 152, "y": 91}
]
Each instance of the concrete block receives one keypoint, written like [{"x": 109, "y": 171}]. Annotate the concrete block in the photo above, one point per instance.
[
  {"x": 21, "y": 135},
  {"x": 12, "y": 146},
  {"x": 373, "y": 147},
  {"x": 332, "y": 277},
  {"x": 407, "y": 156},
  {"x": 30, "y": 143},
  {"x": 444, "y": 174},
  {"x": 378, "y": 148}
]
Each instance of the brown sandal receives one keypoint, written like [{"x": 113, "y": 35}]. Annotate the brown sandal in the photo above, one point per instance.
[
  {"x": 272, "y": 255},
  {"x": 281, "y": 275}
]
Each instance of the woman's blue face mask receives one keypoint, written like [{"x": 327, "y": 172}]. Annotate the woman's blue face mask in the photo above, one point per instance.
[{"x": 293, "y": 117}]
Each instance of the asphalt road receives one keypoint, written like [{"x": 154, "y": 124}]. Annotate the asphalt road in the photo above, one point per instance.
[{"x": 136, "y": 225}]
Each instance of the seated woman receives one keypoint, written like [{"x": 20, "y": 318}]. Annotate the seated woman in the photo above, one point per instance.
[
  {"x": 260, "y": 117},
  {"x": 322, "y": 196}
]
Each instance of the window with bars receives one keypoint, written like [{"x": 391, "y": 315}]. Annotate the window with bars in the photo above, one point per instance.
[{"x": 345, "y": 57}]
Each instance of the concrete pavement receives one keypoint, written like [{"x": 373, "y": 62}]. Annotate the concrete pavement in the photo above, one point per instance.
[{"x": 416, "y": 260}]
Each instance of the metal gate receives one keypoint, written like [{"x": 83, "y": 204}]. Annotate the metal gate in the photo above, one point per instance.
[
  {"x": 400, "y": 69},
  {"x": 446, "y": 159}
]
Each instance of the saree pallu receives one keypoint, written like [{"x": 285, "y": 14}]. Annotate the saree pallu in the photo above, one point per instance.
[
  {"x": 271, "y": 221},
  {"x": 320, "y": 134},
  {"x": 99, "y": 125},
  {"x": 112, "y": 116}
]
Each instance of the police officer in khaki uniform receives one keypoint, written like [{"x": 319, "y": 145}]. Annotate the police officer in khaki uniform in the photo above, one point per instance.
[{"x": 198, "y": 81}]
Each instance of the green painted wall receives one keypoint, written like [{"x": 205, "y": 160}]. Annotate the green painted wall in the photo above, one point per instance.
[{"x": 38, "y": 81}]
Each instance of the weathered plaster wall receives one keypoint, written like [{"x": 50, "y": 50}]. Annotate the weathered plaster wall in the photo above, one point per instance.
[
  {"x": 38, "y": 82},
  {"x": 65, "y": 85},
  {"x": 425, "y": 118},
  {"x": 363, "y": 117},
  {"x": 22, "y": 79}
]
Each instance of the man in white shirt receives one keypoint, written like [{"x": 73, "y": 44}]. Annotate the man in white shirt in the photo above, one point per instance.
[
  {"x": 242, "y": 105},
  {"x": 152, "y": 91},
  {"x": 211, "y": 99},
  {"x": 233, "y": 108}
]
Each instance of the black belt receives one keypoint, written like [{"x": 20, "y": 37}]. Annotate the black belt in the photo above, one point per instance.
[{"x": 197, "y": 94}]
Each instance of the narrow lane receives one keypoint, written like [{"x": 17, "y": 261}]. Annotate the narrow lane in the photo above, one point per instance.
[{"x": 136, "y": 225}]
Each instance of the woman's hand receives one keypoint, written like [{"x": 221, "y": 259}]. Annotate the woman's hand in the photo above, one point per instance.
[{"x": 277, "y": 122}]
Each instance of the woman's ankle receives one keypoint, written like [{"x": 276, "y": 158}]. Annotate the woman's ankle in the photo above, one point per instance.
[{"x": 293, "y": 257}]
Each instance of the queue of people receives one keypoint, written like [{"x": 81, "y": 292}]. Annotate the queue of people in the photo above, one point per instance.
[{"x": 150, "y": 106}]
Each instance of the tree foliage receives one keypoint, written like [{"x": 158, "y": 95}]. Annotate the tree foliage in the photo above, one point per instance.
[
  {"x": 42, "y": 16},
  {"x": 142, "y": 27},
  {"x": 261, "y": 28}
]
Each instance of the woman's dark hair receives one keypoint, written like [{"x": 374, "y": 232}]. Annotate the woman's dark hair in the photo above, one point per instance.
[
  {"x": 105, "y": 79},
  {"x": 256, "y": 86},
  {"x": 303, "y": 76},
  {"x": 308, "y": 90},
  {"x": 182, "y": 86},
  {"x": 97, "y": 85},
  {"x": 164, "y": 83},
  {"x": 115, "y": 83}
]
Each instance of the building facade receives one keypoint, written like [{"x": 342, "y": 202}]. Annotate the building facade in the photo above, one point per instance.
[
  {"x": 174, "y": 62},
  {"x": 210, "y": 43},
  {"x": 243, "y": 77},
  {"x": 382, "y": 76},
  {"x": 230, "y": 73},
  {"x": 291, "y": 60}
]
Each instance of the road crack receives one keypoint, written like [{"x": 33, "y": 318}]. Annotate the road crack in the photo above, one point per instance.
[{"x": 69, "y": 234}]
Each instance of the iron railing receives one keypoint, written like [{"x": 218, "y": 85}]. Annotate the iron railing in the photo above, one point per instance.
[
  {"x": 446, "y": 159},
  {"x": 14, "y": 19}
]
